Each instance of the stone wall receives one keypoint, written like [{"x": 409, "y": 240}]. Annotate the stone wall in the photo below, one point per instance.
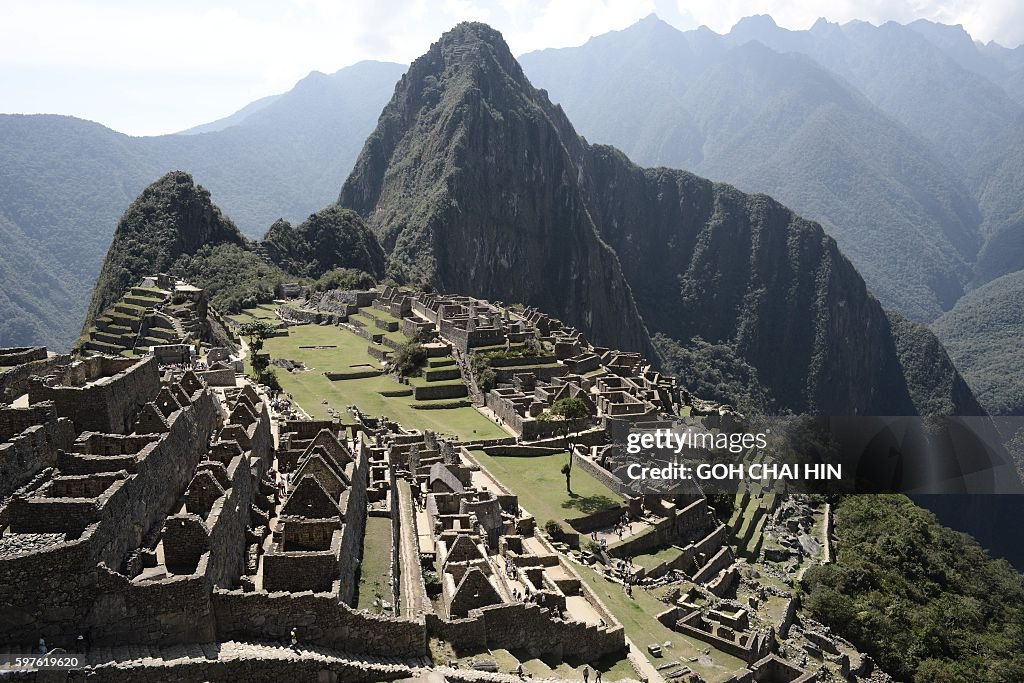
[
  {"x": 174, "y": 610},
  {"x": 436, "y": 391},
  {"x": 304, "y": 570},
  {"x": 227, "y": 523},
  {"x": 218, "y": 378},
  {"x": 256, "y": 667},
  {"x": 587, "y": 464},
  {"x": 355, "y": 527},
  {"x": 318, "y": 619},
  {"x": 722, "y": 559},
  {"x": 541, "y": 372},
  {"x": 107, "y": 404},
  {"x": 679, "y": 526},
  {"x": 10, "y": 357},
  {"x": 528, "y": 627},
  {"x": 14, "y": 381},
  {"x": 30, "y": 440},
  {"x": 41, "y": 599}
]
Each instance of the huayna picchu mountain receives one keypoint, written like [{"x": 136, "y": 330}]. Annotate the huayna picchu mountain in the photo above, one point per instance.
[
  {"x": 470, "y": 181},
  {"x": 475, "y": 182}
]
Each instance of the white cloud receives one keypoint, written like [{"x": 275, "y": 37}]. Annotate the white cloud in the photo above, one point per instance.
[{"x": 158, "y": 67}]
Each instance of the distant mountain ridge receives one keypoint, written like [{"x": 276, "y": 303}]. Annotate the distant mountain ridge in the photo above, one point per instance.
[
  {"x": 806, "y": 116},
  {"x": 65, "y": 182}
]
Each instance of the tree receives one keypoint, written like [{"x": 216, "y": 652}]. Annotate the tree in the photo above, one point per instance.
[
  {"x": 255, "y": 332},
  {"x": 409, "y": 359},
  {"x": 572, "y": 413}
]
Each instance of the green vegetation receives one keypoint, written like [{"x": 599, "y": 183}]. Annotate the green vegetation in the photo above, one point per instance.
[
  {"x": 480, "y": 366},
  {"x": 539, "y": 483},
  {"x": 848, "y": 133},
  {"x": 934, "y": 383},
  {"x": 233, "y": 276},
  {"x": 926, "y": 602},
  {"x": 653, "y": 558},
  {"x": 347, "y": 353},
  {"x": 638, "y": 617},
  {"x": 554, "y": 529},
  {"x": 375, "y": 565},
  {"x": 982, "y": 334},
  {"x": 67, "y": 181},
  {"x": 329, "y": 239},
  {"x": 344, "y": 278},
  {"x": 715, "y": 372},
  {"x": 171, "y": 218},
  {"x": 409, "y": 359},
  {"x": 256, "y": 332}
]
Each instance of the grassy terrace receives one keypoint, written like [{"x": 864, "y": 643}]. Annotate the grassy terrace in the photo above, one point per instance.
[
  {"x": 540, "y": 485},
  {"x": 371, "y": 326},
  {"x": 637, "y": 615},
  {"x": 310, "y": 388},
  {"x": 653, "y": 559},
  {"x": 375, "y": 568}
]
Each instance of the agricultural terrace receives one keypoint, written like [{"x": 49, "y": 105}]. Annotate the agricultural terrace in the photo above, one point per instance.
[{"x": 326, "y": 348}]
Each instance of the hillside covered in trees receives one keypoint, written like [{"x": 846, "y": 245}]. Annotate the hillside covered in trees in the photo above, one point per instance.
[{"x": 925, "y": 601}]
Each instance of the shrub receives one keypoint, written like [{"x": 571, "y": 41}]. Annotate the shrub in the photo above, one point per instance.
[
  {"x": 409, "y": 359},
  {"x": 553, "y": 528}
]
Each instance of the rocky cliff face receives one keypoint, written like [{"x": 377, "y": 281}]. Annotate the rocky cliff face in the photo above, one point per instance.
[
  {"x": 707, "y": 260},
  {"x": 475, "y": 182},
  {"x": 170, "y": 218},
  {"x": 472, "y": 183}
]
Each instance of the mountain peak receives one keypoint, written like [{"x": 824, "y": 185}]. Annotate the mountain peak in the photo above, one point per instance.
[
  {"x": 171, "y": 217},
  {"x": 470, "y": 183},
  {"x": 755, "y": 22},
  {"x": 470, "y": 40}
]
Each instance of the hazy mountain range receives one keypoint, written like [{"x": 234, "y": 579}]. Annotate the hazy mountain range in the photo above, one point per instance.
[
  {"x": 64, "y": 183},
  {"x": 904, "y": 142}
]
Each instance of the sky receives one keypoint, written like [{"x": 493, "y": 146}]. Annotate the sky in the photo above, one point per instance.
[{"x": 161, "y": 66}]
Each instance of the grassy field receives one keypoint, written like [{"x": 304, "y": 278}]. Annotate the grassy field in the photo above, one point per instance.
[
  {"x": 345, "y": 352},
  {"x": 540, "y": 485},
  {"x": 261, "y": 312},
  {"x": 375, "y": 569},
  {"x": 637, "y": 616},
  {"x": 651, "y": 560}
]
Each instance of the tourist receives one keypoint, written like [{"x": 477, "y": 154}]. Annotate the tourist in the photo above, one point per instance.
[
  {"x": 295, "y": 641},
  {"x": 42, "y": 646},
  {"x": 519, "y": 670},
  {"x": 597, "y": 675},
  {"x": 586, "y": 673}
]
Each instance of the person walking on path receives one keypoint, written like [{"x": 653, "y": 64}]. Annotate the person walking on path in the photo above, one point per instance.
[{"x": 586, "y": 673}]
